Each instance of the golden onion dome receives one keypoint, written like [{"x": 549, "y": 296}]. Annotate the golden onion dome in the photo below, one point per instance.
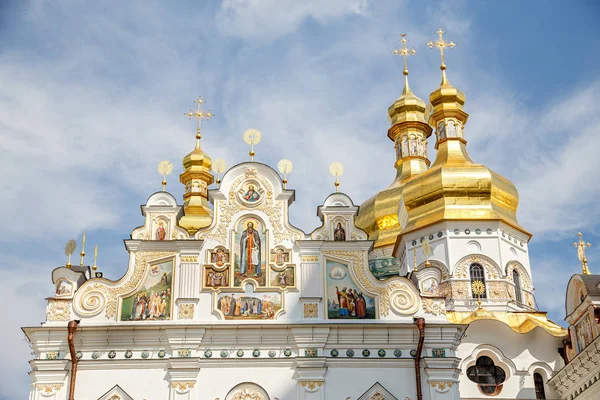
[
  {"x": 455, "y": 187},
  {"x": 378, "y": 216},
  {"x": 196, "y": 178}
]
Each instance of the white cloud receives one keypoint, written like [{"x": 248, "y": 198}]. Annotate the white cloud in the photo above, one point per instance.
[{"x": 267, "y": 20}]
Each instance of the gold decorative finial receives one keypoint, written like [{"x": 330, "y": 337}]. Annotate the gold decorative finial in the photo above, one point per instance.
[
  {"x": 478, "y": 289},
  {"x": 336, "y": 169},
  {"x": 82, "y": 254},
  {"x": 581, "y": 246},
  {"x": 427, "y": 252},
  {"x": 165, "y": 168},
  {"x": 199, "y": 115},
  {"x": 441, "y": 45},
  {"x": 404, "y": 51},
  {"x": 285, "y": 167},
  {"x": 95, "y": 267},
  {"x": 70, "y": 248},
  {"x": 219, "y": 167},
  {"x": 252, "y": 137}
]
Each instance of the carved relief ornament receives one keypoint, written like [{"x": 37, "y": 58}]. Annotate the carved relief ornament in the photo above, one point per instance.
[
  {"x": 183, "y": 387},
  {"x": 441, "y": 386},
  {"x": 58, "y": 310},
  {"x": 96, "y": 295},
  {"x": 396, "y": 293},
  {"x": 48, "y": 389},
  {"x": 492, "y": 270},
  {"x": 311, "y": 386},
  {"x": 433, "y": 306}
]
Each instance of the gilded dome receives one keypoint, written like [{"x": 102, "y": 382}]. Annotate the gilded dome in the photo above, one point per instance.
[
  {"x": 455, "y": 187},
  {"x": 378, "y": 216}
]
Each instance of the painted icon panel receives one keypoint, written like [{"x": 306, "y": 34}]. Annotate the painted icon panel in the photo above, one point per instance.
[
  {"x": 214, "y": 278},
  {"x": 430, "y": 287},
  {"x": 344, "y": 299},
  {"x": 250, "y": 251},
  {"x": 152, "y": 301},
  {"x": 64, "y": 288},
  {"x": 283, "y": 278},
  {"x": 249, "y": 305}
]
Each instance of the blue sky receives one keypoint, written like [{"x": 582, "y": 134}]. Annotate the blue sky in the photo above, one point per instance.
[{"x": 92, "y": 96}]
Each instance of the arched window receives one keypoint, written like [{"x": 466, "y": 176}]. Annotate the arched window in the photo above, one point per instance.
[
  {"x": 517, "y": 281},
  {"x": 539, "y": 386},
  {"x": 488, "y": 377},
  {"x": 477, "y": 274}
]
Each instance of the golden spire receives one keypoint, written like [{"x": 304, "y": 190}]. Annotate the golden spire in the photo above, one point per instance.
[
  {"x": 196, "y": 178},
  {"x": 441, "y": 44},
  {"x": 285, "y": 167},
  {"x": 404, "y": 51},
  {"x": 219, "y": 167},
  {"x": 95, "y": 267},
  {"x": 581, "y": 246},
  {"x": 82, "y": 254},
  {"x": 378, "y": 216},
  {"x": 165, "y": 168},
  {"x": 427, "y": 252},
  {"x": 252, "y": 137},
  {"x": 336, "y": 169},
  {"x": 70, "y": 248},
  {"x": 199, "y": 115}
]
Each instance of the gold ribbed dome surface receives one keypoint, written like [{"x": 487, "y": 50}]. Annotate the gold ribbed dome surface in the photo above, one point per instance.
[{"x": 456, "y": 188}]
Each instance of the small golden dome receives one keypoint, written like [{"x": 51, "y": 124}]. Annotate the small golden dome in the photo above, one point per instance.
[
  {"x": 456, "y": 188},
  {"x": 378, "y": 216}
]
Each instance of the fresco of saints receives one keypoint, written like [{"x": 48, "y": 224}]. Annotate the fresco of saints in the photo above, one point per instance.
[
  {"x": 250, "y": 256},
  {"x": 219, "y": 258},
  {"x": 161, "y": 232},
  {"x": 279, "y": 257},
  {"x": 251, "y": 195},
  {"x": 339, "y": 235}
]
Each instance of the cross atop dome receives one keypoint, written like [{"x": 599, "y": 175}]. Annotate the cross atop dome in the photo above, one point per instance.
[{"x": 441, "y": 44}]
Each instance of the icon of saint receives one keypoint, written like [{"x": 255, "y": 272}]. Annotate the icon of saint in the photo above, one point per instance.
[
  {"x": 250, "y": 256},
  {"x": 219, "y": 257},
  {"x": 339, "y": 234},
  {"x": 161, "y": 232},
  {"x": 251, "y": 195}
]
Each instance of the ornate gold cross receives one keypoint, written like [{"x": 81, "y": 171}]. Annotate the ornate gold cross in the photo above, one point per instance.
[
  {"x": 199, "y": 115},
  {"x": 581, "y": 246},
  {"x": 404, "y": 51},
  {"x": 441, "y": 45}
]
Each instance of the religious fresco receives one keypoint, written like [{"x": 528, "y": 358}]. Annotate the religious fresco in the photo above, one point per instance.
[
  {"x": 250, "y": 244},
  {"x": 430, "y": 287},
  {"x": 344, "y": 299},
  {"x": 63, "y": 288},
  {"x": 283, "y": 278},
  {"x": 251, "y": 193},
  {"x": 584, "y": 334},
  {"x": 152, "y": 300},
  {"x": 280, "y": 256},
  {"x": 249, "y": 305},
  {"x": 219, "y": 257},
  {"x": 161, "y": 231},
  {"x": 339, "y": 233},
  {"x": 214, "y": 278}
]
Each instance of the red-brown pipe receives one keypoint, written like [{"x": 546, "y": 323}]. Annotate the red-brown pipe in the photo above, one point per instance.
[
  {"x": 72, "y": 327},
  {"x": 420, "y": 322}
]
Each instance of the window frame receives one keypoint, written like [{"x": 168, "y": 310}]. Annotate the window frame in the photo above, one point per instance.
[{"x": 477, "y": 273}]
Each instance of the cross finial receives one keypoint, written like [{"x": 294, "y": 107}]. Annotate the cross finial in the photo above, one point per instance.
[
  {"x": 581, "y": 246},
  {"x": 404, "y": 51},
  {"x": 199, "y": 115},
  {"x": 441, "y": 44}
]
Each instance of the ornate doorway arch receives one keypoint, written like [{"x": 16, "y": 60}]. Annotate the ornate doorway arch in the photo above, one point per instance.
[{"x": 247, "y": 391}]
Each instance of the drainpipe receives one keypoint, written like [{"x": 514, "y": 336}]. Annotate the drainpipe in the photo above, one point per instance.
[
  {"x": 420, "y": 322},
  {"x": 72, "y": 327}
]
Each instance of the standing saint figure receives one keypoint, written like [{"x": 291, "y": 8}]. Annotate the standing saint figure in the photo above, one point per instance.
[
  {"x": 161, "y": 232},
  {"x": 339, "y": 234},
  {"x": 250, "y": 256}
]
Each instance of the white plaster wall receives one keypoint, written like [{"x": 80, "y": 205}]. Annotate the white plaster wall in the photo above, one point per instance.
[
  {"x": 526, "y": 352},
  {"x": 353, "y": 382},
  {"x": 149, "y": 384}
]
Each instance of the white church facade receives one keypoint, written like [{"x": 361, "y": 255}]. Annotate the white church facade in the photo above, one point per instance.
[{"x": 422, "y": 292}]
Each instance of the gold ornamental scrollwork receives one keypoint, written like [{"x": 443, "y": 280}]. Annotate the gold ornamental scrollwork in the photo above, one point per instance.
[
  {"x": 186, "y": 311},
  {"x": 311, "y": 310},
  {"x": 98, "y": 294},
  {"x": 49, "y": 390},
  {"x": 312, "y": 386},
  {"x": 248, "y": 394},
  {"x": 492, "y": 270},
  {"x": 58, "y": 310},
  {"x": 433, "y": 306},
  {"x": 397, "y": 293},
  {"x": 441, "y": 386},
  {"x": 310, "y": 259},
  {"x": 183, "y": 386}
]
